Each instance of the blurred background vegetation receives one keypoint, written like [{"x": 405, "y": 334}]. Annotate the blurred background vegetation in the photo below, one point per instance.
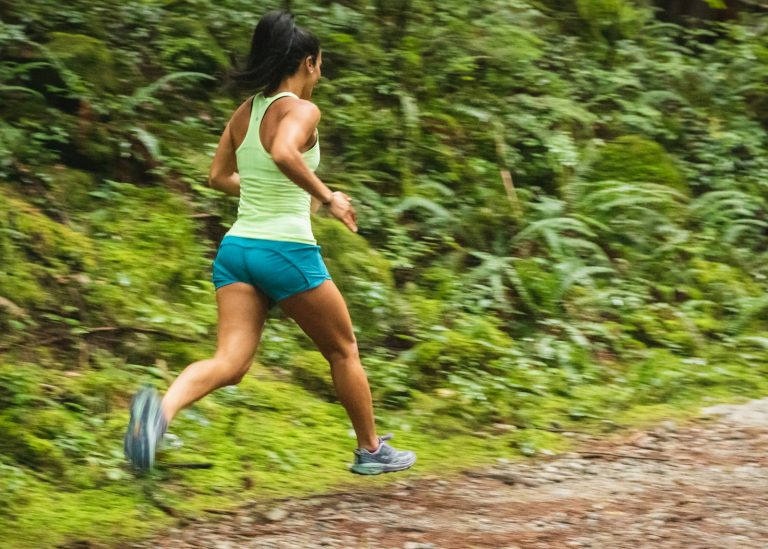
[{"x": 562, "y": 211}]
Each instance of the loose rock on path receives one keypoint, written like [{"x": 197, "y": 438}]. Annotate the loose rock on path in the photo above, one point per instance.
[{"x": 704, "y": 485}]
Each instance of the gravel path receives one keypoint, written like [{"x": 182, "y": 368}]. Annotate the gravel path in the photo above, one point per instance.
[{"x": 704, "y": 485}]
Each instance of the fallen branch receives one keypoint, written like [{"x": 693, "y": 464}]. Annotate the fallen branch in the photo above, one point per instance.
[
  {"x": 188, "y": 465},
  {"x": 138, "y": 329},
  {"x": 100, "y": 329},
  {"x": 589, "y": 454},
  {"x": 226, "y": 512},
  {"x": 164, "y": 507},
  {"x": 506, "y": 176}
]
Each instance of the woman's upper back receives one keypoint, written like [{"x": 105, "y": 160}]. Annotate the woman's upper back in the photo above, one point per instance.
[
  {"x": 253, "y": 157},
  {"x": 271, "y": 205}
]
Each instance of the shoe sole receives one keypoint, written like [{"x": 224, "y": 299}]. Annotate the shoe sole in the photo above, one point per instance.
[
  {"x": 378, "y": 468},
  {"x": 139, "y": 446},
  {"x": 134, "y": 433}
]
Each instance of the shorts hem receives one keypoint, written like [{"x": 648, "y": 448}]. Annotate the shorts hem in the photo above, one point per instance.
[
  {"x": 271, "y": 302},
  {"x": 227, "y": 283},
  {"x": 311, "y": 286}
]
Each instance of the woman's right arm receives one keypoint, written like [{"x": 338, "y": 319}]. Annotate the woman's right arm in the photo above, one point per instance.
[{"x": 296, "y": 128}]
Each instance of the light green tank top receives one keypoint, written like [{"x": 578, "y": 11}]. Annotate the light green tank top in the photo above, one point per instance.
[{"x": 271, "y": 205}]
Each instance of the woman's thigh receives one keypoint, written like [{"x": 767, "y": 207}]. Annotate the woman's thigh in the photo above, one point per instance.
[
  {"x": 323, "y": 315},
  {"x": 242, "y": 311}
]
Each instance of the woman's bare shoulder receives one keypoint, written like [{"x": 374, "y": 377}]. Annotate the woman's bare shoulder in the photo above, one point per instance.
[
  {"x": 243, "y": 110},
  {"x": 241, "y": 117},
  {"x": 302, "y": 108}
]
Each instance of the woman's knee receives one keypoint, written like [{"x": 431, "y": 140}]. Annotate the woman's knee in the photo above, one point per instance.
[
  {"x": 239, "y": 374},
  {"x": 342, "y": 352},
  {"x": 232, "y": 371}
]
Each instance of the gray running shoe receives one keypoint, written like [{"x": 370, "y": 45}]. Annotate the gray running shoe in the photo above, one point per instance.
[
  {"x": 385, "y": 459},
  {"x": 146, "y": 428}
]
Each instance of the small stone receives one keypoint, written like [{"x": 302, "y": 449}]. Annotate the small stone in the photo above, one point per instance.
[
  {"x": 275, "y": 515},
  {"x": 552, "y": 477},
  {"x": 738, "y": 522},
  {"x": 512, "y": 479},
  {"x": 646, "y": 442},
  {"x": 669, "y": 426},
  {"x": 660, "y": 516},
  {"x": 529, "y": 482}
]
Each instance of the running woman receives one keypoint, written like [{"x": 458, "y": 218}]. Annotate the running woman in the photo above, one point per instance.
[{"x": 267, "y": 156}]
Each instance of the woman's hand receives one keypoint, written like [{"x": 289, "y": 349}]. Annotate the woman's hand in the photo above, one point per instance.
[{"x": 341, "y": 208}]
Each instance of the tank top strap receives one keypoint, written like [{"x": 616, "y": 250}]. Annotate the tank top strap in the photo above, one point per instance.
[
  {"x": 281, "y": 94},
  {"x": 260, "y": 103},
  {"x": 267, "y": 101}
]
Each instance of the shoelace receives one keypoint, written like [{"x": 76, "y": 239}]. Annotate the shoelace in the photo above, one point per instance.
[{"x": 382, "y": 439}]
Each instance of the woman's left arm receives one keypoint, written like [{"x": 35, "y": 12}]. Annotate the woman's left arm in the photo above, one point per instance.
[{"x": 223, "y": 174}]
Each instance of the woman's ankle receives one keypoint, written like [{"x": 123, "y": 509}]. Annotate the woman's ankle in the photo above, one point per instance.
[{"x": 372, "y": 448}]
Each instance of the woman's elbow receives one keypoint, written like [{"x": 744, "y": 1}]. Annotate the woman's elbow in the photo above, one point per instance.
[{"x": 213, "y": 179}]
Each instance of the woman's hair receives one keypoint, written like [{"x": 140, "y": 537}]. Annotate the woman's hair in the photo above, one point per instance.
[{"x": 277, "y": 48}]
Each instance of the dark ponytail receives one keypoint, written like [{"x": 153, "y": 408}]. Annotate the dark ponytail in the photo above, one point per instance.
[{"x": 277, "y": 48}]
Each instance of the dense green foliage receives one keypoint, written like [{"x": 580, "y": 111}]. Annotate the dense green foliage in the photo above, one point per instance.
[{"x": 562, "y": 208}]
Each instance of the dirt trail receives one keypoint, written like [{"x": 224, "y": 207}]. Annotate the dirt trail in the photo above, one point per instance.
[{"x": 704, "y": 485}]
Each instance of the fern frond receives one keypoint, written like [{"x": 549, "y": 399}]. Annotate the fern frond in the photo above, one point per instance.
[{"x": 145, "y": 93}]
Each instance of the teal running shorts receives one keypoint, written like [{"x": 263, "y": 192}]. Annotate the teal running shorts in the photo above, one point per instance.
[{"x": 279, "y": 268}]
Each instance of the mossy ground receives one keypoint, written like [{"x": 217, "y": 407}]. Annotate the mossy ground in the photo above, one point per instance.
[{"x": 268, "y": 438}]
